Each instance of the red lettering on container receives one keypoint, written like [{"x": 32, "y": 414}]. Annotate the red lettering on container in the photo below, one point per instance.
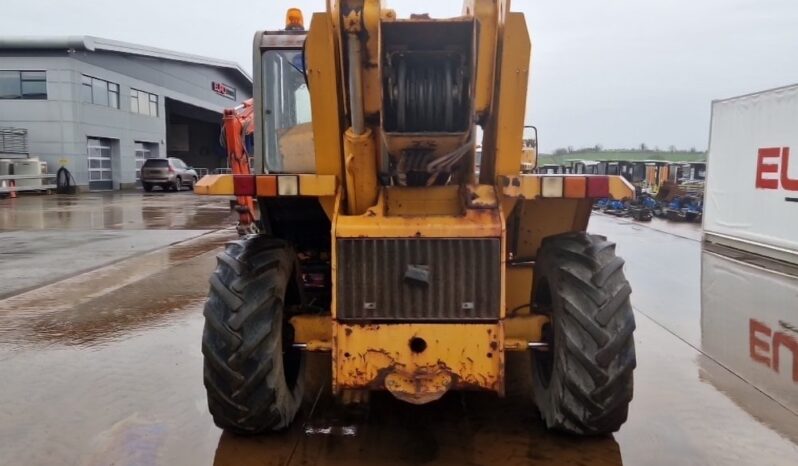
[
  {"x": 762, "y": 168},
  {"x": 757, "y": 345},
  {"x": 786, "y": 182},
  {"x": 782, "y": 339},
  {"x": 781, "y": 166},
  {"x": 765, "y": 345}
]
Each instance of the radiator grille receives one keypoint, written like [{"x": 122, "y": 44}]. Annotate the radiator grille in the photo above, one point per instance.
[{"x": 418, "y": 279}]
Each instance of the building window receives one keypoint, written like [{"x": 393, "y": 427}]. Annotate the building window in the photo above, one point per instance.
[
  {"x": 113, "y": 95},
  {"x": 99, "y": 92},
  {"x": 143, "y": 103},
  {"x": 28, "y": 85}
]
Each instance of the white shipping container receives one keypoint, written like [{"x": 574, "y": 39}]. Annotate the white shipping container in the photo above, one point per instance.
[{"x": 751, "y": 198}]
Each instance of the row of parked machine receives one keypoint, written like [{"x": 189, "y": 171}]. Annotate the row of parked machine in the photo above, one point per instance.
[{"x": 671, "y": 190}]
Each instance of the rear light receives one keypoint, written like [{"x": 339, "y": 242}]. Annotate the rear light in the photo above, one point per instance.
[
  {"x": 266, "y": 186},
  {"x": 575, "y": 187},
  {"x": 244, "y": 185},
  {"x": 288, "y": 185},
  {"x": 171, "y": 170},
  {"x": 551, "y": 186},
  {"x": 598, "y": 186}
]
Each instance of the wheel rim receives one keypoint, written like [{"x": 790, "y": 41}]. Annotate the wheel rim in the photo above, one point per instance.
[{"x": 544, "y": 360}]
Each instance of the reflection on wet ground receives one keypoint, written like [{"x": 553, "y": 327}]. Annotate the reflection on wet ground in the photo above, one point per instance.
[
  {"x": 461, "y": 428},
  {"x": 49, "y": 238},
  {"x": 113, "y": 210},
  {"x": 105, "y": 368},
  {"x": 664, "y": 270},
  {"x": 687, "y": 230},
  {"x": 749, "y": 324},
  {"x": 109, "y": 301}
]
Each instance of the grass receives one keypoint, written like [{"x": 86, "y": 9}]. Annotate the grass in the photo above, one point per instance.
[{"x": 630, "y": 155}]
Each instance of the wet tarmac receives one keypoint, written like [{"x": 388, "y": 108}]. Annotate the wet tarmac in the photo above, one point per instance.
[
  {"x": 103, "y": 367},
  {"x": 115, "y": 210},
  {"x": 48, "y": 238}
]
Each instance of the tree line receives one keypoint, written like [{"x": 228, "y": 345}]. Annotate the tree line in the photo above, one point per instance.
[{"x": 643, "y": 147}]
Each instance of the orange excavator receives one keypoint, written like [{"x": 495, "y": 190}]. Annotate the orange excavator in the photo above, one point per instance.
[{"x": 237, "y": 124}]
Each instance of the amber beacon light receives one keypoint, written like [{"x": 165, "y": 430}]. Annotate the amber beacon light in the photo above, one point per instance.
[{"x": 293, "y": 20}]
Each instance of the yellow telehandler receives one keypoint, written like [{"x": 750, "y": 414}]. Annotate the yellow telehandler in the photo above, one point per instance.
[{"x": 380, "y": 242}]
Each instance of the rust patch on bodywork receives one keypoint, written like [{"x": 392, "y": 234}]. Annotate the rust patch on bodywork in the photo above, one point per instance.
[{"x": 453, "y": 356}]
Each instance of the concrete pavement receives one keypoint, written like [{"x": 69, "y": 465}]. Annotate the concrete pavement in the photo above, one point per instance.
[{"x": 103, "y": 365}]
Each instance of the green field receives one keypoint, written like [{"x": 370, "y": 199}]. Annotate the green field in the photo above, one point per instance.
[{"x": 631, "y": 155}]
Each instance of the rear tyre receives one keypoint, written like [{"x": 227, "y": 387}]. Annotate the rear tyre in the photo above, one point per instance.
[
  {"x": 178, "y": 185},
  {"x": 253, "y": 375},
  {"x": 147, "y": 187},
  {"x": 583, "y": 384}
]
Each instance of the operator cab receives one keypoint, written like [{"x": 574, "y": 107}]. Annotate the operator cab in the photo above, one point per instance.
[{"x": 284, "y": 134}]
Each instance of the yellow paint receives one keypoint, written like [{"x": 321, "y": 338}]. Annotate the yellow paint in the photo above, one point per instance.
[
  {"x": 310, "y": 327},
  {"x": 472, "y": 223},
  {"x": 620, "y": 188},
  {"x": 518, "y": 287},
  {"x": 481, "y": 196},
  {"x": 541, "y": 218},
  {"x": 361, "y": 171},
  {"x": 434, "y": 200},
  {"x": 319, "y": 346},
  {"x": 472, "y": 354},
  {"x": 504, "y": 130},
  {"x": 486, "y": 13},
  {"x": 326, "y": 101},
  {"x": 526, "y": 327},
  {"x": 317, "y": 185},
  {"x": 214, "y": 185},
  {"x": 523, "y": 186},
  {"x": 336, "y": 214},
  {"x": 503, "y": 265}
]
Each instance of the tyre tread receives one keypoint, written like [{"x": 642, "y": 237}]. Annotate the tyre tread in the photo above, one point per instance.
[
  {"x": 595, "y": 360},
  {"x": 244, "y": 373}
]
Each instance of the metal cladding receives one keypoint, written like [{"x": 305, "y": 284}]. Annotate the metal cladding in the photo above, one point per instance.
[{"x": 419, "y": 279}]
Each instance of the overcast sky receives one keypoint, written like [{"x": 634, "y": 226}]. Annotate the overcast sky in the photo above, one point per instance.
[{"x": 611, "y": 72}]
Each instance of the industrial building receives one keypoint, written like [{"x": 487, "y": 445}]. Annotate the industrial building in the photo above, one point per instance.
[{"x": 100, "y": 107}]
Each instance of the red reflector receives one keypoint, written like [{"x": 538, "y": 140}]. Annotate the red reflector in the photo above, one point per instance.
[
  {"x": 598, "y": 186},
  {"x": 244, "y": 185}
]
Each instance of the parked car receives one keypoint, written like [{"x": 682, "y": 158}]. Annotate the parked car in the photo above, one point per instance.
[{"x": 170, "y": 174}]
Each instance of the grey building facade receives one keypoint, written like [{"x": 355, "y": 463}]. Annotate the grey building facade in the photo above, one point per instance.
[{"x": 101, "y": 107}]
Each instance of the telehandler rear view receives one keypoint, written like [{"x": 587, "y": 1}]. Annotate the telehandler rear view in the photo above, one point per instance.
[{"x": 379, "y": 242}]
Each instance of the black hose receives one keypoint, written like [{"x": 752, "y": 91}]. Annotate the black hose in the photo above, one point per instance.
[{"x": 65, "y": 182}]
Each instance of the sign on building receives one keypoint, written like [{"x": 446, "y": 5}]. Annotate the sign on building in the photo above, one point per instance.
[{"x": 224, "y": 90}]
